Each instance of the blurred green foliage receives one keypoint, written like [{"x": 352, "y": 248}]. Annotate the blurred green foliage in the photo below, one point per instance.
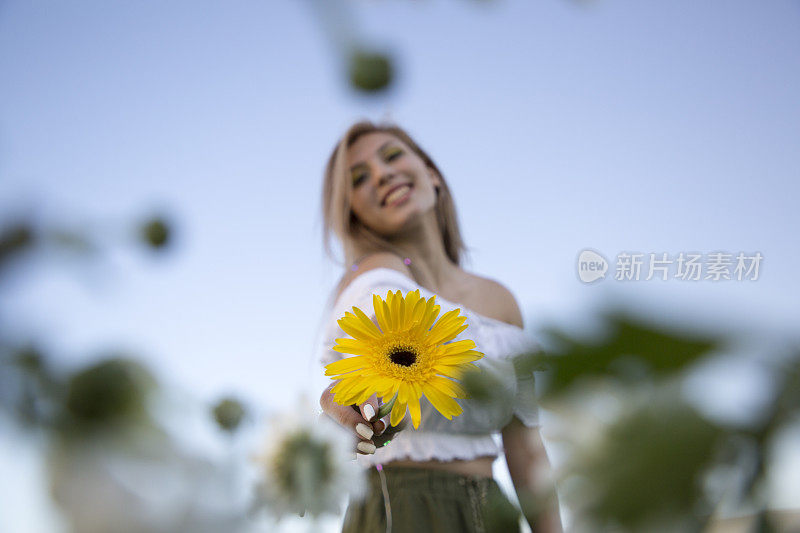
[
  {"x": 156, "y": 232},
  {"x": 228, "y": 414},
  {"x": 648, "y": 468},
  {"x": 645, "y": 469},
  {"x": 15, "y": 238},
  {"x": 370, "y": 71},
  {"x": 628, "y": 353},
  {"x": 108, "y": 394}
]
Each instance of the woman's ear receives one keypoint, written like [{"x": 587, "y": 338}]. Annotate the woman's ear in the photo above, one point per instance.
[{"x": 435, "y": 179}]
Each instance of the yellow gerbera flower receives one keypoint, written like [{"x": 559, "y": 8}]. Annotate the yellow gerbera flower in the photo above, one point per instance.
[{"x": 408, "y": 357}]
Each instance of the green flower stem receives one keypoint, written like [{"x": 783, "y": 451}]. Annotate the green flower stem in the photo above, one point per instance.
[{"x": 386, "y": 408}]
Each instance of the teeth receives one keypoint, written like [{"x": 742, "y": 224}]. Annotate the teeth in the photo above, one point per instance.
[{"x": 396, "y": 194}]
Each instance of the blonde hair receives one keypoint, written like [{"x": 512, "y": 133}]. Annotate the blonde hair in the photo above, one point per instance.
[{"x": 338, "y": 217}]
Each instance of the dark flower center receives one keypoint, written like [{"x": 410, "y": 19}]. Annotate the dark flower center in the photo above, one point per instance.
[{"x": 403, "y": 357}]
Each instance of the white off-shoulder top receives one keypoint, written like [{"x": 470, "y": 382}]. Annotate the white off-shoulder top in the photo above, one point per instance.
[{"x": 468, "y": 435}]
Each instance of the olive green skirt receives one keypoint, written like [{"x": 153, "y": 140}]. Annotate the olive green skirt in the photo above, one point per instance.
[{"x": 424, "y": 500}]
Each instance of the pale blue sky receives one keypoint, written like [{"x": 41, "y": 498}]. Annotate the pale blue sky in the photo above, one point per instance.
[{"x": 648, "y": 126}]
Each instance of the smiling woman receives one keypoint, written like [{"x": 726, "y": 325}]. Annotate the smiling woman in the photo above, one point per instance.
[
  {"x": 351, "y": 203},
  {"x": 391, "y": 208}
]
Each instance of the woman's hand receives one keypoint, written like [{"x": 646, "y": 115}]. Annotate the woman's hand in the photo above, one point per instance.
[{"x": 361, "y": 419}]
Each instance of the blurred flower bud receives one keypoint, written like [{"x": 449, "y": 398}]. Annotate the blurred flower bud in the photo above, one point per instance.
[
  {"x": 156, "y": 233},
  {"x": 370, "y": 72},
  {"x": 228, "y": 413}
]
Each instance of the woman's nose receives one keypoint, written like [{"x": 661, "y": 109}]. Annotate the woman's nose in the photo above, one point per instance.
[
  {"x": 385, "y": 174},
  {"x": 385, "y": 178}
]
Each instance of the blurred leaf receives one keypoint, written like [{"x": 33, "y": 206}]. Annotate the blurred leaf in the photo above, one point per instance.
[
  {"x": 648, "y": 467},
  {"x": 370, "y": 72},
  {"x": 108, "y": 394},
  {"x": 228, "y": 413},
  {"x": 527, "y": 363},
  {"x": 14, "y": 239},
  {"x": 480, "y": 386},
  {"x": 631, "y": 352},
  {"x": 786, "y": 404}
]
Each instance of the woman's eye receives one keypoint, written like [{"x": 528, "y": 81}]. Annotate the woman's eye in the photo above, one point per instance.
[
  {"x": 393, "y": 154},
  {"x": 358, "y": 178}
]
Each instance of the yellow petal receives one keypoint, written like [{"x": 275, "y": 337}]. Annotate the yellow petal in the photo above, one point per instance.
[
  {"x": 346, "y": 385},
  {"x": 377, "y": 304},
  {"x": 394, "y": 307},
  {"x": 352, "y": 346},
  {"x": 418, "y": 311},
  {"x": 351, "y": 325},
  {"x": 458, "y": 347},
  {"x": 457, "y": 359},
  {"x": 349, "y": 392},
  {"x": 405, "y": 393},
  {"x": 401, "y": 312},
  {"x": 446, "y": 329},
  {"x": 391, "y": 391},
  {"x": 451, "y": 371},
  {"x": 366, "y": 322},
  {"x": 452, "y": 334},
  {"x": 432, "y": 316},
  {"x": 456, "y": 371},
  {"x": 414, "y": 410},
  {"x": 412, "y": 298},
  {"x": 398, "y": 412},
  {"x": 390, "y": 322},
  {"x": 443, "y": 403},
  {"x": 431, "y": 312},
  {"x": 368, "y": 391},
  {"x": 447, "y": 386},
  {"x": 348, "y": 364}
]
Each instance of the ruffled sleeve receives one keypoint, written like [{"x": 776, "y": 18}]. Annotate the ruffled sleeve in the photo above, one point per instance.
[
  {"x": 525, "y": 403},
  {"x": 359, "y": 294}
]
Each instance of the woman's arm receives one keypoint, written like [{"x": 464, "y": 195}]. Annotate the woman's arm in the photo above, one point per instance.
[{"x": 528, "y": 464}]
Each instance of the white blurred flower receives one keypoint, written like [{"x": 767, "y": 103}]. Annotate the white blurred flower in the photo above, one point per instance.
[
  {"x": 137, "y": 483},
  {"x": 308, "y": 465}
]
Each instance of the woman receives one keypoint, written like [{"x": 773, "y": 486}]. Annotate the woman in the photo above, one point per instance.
[{"x": 392, "y": 210}]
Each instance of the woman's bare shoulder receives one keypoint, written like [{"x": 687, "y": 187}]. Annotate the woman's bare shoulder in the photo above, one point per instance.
[
  {"x": 371, "y": 262},
  {"x": 504, "y": 302}
]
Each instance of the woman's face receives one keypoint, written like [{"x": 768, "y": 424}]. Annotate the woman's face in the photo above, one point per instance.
[{"x": 392, "y": 186}]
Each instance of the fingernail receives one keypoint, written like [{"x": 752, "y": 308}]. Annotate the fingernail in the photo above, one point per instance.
[
  {"x": 364, "y": 430},
  {"x": 366, "y": 447},
  {"x": 369, "y": 412}
]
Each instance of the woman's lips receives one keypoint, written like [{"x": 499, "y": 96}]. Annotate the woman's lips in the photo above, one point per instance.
[{"x": 398, "y": 195}]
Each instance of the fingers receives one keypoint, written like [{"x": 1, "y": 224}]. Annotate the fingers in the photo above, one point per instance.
[
  {"x": 369, "y": 411},
  {"x": 351, "y": 418},
  {"x": 380, "y": 425},
  {"x": 369, "y": 408},
  {"x": 343, "y": 414},
  {"x": 365, "y": 432},
  {"x": 365, "y": 447}
]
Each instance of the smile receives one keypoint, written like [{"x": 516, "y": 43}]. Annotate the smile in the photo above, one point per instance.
[{"x": 398, "y": 195}]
